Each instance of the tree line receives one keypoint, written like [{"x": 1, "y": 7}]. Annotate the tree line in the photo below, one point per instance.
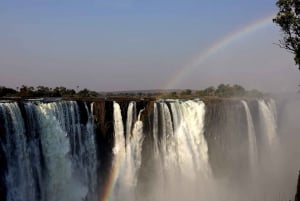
[
  {"x": 223, "y": 90},
  {"x": 42, "y": 91}
]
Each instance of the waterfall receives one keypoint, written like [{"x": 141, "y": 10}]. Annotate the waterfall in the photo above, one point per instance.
[
  {"x": 251, "y": 137},
  {"x": 88, "y": 156},
  {"x": 268, "y": 118},
  {"x": 166, "y": 141},
  {"x": 192, "y": 127},
  {"x": 50, "y": 155},
  {"x": 133, "y": 147},
  {"x": 19, "y": 178},
  {"x": 127, "y": 157},
  {"x": 35, "y": 151},
  {"x": 184, "y": 147},
  {"x": 155, "y": 131},
  {"x": 118, "y": 153},
  {"x": 56, "y": 149},
  {"x": 143, "y": 150}
]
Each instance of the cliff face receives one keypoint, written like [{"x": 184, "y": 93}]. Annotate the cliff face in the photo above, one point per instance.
[
  {"x": 297, "y": 196},
  {"x": 186, "y": 138}
]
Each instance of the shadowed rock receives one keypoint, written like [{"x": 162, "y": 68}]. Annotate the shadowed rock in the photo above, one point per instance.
[{"x": 297, "y": 196}]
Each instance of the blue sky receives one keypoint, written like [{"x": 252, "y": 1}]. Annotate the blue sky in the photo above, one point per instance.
[{"x": 110, "y": 45}]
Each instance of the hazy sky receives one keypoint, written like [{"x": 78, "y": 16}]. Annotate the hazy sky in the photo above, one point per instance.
[{"x": 109, "y": 45}]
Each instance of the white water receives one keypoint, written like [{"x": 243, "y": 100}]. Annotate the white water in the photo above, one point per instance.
[
  {"x": 56, "y": 149},
  {"x": 181, "y": 168},
  {"x": 154, "y": 132},
  {"x": 89, "y": 155},
  {"x": 35, "y": 152},
  {"x": 268, "y": 118},
  {"x": 41, "y": 165},
  {"x": 130, "y": 120},
  {"x": 119, "y": 147},
  {"x": 166, "y": 141},
  {"x": 127, "y": 156},
  {"x": 253, "y": 155},
  {"x": 133, "y": 147},
  {"x": 183, "y": 149},
  {"x": 118, "y": 153},
  {"x": 19, "y": 170}
]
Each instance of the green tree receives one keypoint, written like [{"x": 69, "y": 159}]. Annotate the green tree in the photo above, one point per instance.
[
  {"x": 26, "y": 91},
  {"x": 210, "y": 91},
  {"x": 87, "y": 93},
  {"x": 288, "y": 18},
  {"x": 4, "y": 91},
  {"x": 186, "y": 92},
  {"x": 42, "y": 91},
  {"x": 238, "y": 90}
]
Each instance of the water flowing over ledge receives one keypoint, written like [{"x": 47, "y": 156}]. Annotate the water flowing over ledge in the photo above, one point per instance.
[{"x": 67, "y": 150}]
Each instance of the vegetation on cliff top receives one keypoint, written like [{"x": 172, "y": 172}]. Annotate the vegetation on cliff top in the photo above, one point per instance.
[
  {"x": 223, "y": 91},
  {"x": 42, "y": 91}
]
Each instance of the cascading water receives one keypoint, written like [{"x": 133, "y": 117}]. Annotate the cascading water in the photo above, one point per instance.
[
  {"x": 89, "y": 155},
  {"x": 127, "y": 156},
  {"x": 134, "y": 142},
  {"x": 182, "y": 146},
  {"x": 19, "y": 178},
  {"x": 154, "y": 133},
  {"x": 56, "y": 149},
  {"x": 253, "y": 155},
  {"x": 40, "y": 163},
  {"x": 160, "y": 150},
  {"x": 268, "y": 118}
]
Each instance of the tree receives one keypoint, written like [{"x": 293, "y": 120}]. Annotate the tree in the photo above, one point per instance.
[
  {"x": 42, "y": 91},
  {"x": 288, "y": 18},
  {"x": 186, "y": 92},
  {"x": 210, "y": 91},
  {"x": 238, "y": 90},
  {"x": 4, "y": 91},
  {"x": 87, "y": 93},
  {"x": 26, "y": 91}
]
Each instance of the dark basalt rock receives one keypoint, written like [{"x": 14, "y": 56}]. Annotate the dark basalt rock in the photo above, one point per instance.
[
  {"x": 297, "y": 196},
  {"x": 82, "y": 111}
]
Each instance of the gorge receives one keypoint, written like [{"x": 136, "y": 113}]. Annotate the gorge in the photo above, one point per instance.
[{"x": 168, "y": 149}]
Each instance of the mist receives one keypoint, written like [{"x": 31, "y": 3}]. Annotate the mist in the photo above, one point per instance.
[{"x": 225, "y": 169}]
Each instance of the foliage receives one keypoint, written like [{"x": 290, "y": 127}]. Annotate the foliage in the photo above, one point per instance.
[
  {"x": 26, "y": 91},
  {"x": 288, "y": 18},
  {"x": 42, "y": 91},
  {"x": 4, "y": 91},
  {"x": 186, "y": 92},
  {"x": 87, "y": 93},
  {"x": 63, "y": 92},
  {"x": 223, "y": 90}
]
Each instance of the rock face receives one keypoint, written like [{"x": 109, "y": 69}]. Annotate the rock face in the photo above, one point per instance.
[{"x": 297, "y": 196}]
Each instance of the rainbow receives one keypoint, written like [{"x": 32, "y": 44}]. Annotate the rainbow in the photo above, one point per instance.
[
  {"x": 110, "y": 181},
  {"x": 212, "y": 49},
  {"x": 216, "y": 46}
]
